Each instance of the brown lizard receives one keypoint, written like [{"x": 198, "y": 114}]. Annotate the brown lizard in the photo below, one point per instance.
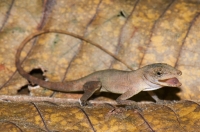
[{"x": 127, "y": 83}]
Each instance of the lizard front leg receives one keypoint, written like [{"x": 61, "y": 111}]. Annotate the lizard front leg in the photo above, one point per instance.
[
  {"x": 122, "y": 100},
  {"x": 89, "y": 89},
  {"x": 154, "y": 96}
]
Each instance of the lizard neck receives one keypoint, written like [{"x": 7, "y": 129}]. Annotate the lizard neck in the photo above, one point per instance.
[
  {"x": 151, "y": 85},
  {"x": 141, "y": 79}
]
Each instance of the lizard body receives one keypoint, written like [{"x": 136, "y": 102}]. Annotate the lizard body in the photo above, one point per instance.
[{"x": 127, "y": 83}]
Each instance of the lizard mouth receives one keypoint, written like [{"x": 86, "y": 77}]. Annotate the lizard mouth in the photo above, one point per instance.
[{"x": 173, "y": 82}]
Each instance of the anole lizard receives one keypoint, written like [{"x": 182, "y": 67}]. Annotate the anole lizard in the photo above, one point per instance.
[{"x": 126, "y": 83}]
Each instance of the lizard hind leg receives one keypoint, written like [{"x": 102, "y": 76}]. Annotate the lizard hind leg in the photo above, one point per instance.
[{"x": 89, "y": 89}]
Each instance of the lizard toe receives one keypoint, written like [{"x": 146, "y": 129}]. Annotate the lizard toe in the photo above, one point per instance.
[{"x": 131, "y": 107}]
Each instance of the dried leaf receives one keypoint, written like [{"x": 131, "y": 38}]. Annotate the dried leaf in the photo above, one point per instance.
[
  {"x": 139, "y": 32},
  {"x": 178, "y": 116}
]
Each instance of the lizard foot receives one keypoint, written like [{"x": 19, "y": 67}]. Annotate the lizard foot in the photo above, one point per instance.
[
  {"x": 163, "y": 102},
  {"x": 129, "y": 104},
  {"x": 84, "y": 103},
  {"x": 116, "y": 110},
  {"x": 160, "y": 102},
  {"x": 131, "y": 107}
]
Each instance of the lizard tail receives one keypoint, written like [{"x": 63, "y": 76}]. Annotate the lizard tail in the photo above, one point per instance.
[{"x": 71, "y": 86}]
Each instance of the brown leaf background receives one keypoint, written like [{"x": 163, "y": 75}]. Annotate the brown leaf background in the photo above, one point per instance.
[{"x": 139, "y": 32}]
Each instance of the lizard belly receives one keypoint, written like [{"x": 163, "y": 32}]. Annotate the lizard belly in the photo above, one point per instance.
[
  {"x": 116, "y": 82},
  {"x": 119, "y": 89}
]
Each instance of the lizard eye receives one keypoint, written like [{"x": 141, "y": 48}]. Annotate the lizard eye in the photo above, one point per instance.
[{"x": 159, "y": 73}]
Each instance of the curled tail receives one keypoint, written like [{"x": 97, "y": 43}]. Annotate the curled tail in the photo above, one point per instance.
[{"x": 58, "y": 86}]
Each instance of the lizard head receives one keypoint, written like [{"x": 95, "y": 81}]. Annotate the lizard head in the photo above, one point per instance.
[{"x": 162, "y": 74}]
